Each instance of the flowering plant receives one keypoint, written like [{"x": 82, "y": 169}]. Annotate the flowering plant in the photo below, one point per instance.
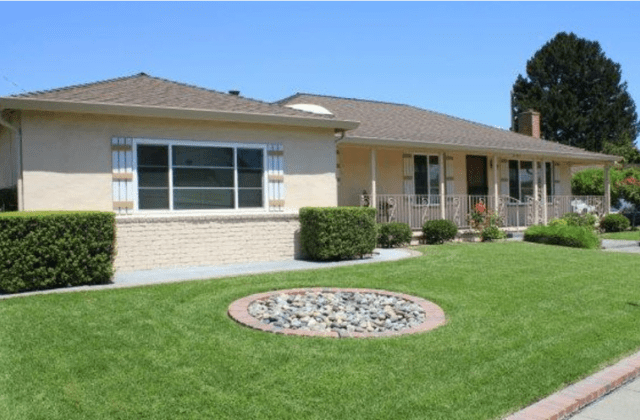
[
  {"x": 481, "y": 219},
  {"x": 630, "y": 189}
]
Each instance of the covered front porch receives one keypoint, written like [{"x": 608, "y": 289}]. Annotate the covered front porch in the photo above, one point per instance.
[{"x": 415, "y": 185}]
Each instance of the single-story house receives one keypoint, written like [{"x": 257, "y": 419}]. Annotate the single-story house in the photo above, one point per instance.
[{"x": 199, "y": 177}]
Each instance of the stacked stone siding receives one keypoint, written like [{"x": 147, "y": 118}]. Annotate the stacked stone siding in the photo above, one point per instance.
[{"x": 147, "y": 242}]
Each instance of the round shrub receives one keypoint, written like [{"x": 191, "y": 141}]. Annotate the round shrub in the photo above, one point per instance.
[
  {"x": 557, "y": 222},
  {"x": 614, "y": 223},
  {"x": 572, "y": 236},
  {"x": 492, "y": 233},
  {"x": 394, "y": 234},
  {"x": 439, "y": 231},
  {"x": 581, "y": 220}
]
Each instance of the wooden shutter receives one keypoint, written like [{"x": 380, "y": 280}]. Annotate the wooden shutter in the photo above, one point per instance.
[
  {"x": 448, "y": 173},
  {"x": 504, "y": 177},
  {"x": 408, "y": 173},
  {"x": 275, "y": 177},
  {"x": 122, "y": 174}
]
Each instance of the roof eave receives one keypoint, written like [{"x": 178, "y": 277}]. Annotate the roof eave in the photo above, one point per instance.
[
  {"x": 599, "y": 158},
  {"x": 170, "y": 112}
]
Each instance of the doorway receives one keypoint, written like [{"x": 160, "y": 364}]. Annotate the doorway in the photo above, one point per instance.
[{"x": 477, "y": 180}]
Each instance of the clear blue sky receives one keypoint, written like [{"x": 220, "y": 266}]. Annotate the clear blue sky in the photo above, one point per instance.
[{"x": 457, "y": 58}]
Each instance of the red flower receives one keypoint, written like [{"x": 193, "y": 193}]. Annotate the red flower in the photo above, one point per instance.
[{"x": 480, "y": 207}]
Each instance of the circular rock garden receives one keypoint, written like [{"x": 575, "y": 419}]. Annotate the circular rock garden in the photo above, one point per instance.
[{"x": 337, "y": 312}]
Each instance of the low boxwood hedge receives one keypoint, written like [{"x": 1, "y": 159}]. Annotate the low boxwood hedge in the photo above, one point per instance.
[
  {"x": 394, "y": 234},
  {"x": 439, "y": 231},
  {"x": 44, "y": 250},
  {"x": 335, "y": 233},
  {"x": 572, "y": 236},
  {"x": 614, "y": 223}
]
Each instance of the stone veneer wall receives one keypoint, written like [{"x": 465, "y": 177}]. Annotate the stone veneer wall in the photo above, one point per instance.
[{"x": 147, "y": 242}]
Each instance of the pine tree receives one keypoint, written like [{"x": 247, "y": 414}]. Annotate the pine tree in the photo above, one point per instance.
[{"x": 579, "y": 94}]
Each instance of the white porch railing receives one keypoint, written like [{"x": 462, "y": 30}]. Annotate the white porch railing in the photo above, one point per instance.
[{"x": 417, "y": 209}]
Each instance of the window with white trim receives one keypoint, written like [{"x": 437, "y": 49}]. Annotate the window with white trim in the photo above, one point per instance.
[
  {"x": 175, "y": 175},
  {"x": 427, "y": 176},
  {"x": 521, "y": 179}
]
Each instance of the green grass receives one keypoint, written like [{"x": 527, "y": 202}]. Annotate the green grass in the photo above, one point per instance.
[
  {"x": 524, "y": 320},
  {"x": 629, "y": 235}
]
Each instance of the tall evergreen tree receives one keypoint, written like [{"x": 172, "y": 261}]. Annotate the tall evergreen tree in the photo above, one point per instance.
[{"x": 579, "y": 94}]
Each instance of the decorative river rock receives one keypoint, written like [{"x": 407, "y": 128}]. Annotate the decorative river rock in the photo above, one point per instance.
[{"x": 337, "y": 312}]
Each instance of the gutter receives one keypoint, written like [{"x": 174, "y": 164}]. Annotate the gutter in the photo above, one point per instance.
[
  {"x": 18, "y": 137},
  {"x": 168, "y": 112}
]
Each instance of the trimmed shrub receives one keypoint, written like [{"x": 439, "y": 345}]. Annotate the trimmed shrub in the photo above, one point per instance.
[
  {"x": 572, "y": 236},
  {"x": 439, "y": 231},
  {"x": 492, "y": 233},
  {"x": 614, "y": 223},
  {"x": 48, "y": 250},
  {"x": 587, "y": 220},
  {"x": 394, "y": 234},
  {"x": 335, "y": 233}
]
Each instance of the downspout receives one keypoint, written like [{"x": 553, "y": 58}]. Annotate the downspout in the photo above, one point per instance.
[{"x": 18, "y": 136}]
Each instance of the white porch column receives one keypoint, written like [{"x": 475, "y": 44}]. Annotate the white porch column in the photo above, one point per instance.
[
  {"x": 496, "y": 187},
  {"x": 535, "y": 192},
  {"x": 606, "y": 207},
  {"x": 544, "y": 193},
  {"x": 374, "y": 202},
  {"x": 443, "y": 209}
]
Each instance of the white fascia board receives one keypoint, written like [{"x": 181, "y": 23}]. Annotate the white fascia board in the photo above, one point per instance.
[{"x": 178, "y": 113}]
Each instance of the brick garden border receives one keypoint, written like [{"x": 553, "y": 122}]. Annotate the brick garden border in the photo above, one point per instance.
[
  {"x": 238, "y": 311},
  {"x": 570, "y": 400}
]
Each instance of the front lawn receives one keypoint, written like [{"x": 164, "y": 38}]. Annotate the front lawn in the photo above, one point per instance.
[
  {"x": 523, "y": 321},
  {"x": 628, "y": 235}
]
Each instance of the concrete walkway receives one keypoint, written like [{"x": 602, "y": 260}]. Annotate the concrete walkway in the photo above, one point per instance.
[
  {"x": 172, "y": 275},
  {"x": 622, "y": 404},
  {"x": 619, "y": 245}
]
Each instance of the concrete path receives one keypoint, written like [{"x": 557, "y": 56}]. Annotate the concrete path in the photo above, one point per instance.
[
  {"x": 622, "y": 404},
  {"x": 171, "y": 275},
  {"x": 619, "y": 245}
]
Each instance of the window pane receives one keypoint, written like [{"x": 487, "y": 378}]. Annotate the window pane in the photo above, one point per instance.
[
  {"x": 184, "y": 199},
  {"x": 514, "y": 180},
  {"x": 434, "y": 176},
  {"x": 153, "y": 177},
  {"x": 153, "y": 198},
  {"x": 526, "y": 178},
  {"x": 202, "y": 156},
  {"x": 153, "y": 156},
  {"x": 250, "y": 178},
  {"x": 250, "y": 158},
  {"x": 250, "y": 197},
  {"x": 188, "y": 177},
  {"x": 421, "y": 175}
]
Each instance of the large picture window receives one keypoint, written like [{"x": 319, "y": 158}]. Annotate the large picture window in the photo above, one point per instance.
[
  {"x": 178, "y": 176},
  {"x": 427, "y": 176}
]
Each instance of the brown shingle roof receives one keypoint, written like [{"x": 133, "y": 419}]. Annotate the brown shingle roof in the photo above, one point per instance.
[
  {"x": 144, "y": 90},
  {"x": 405, "y": 123}
]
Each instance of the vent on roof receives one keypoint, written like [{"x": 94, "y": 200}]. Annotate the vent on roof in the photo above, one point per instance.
[
  {"x": 234, "y": 92},
  {"x": 315, "y": 109}
]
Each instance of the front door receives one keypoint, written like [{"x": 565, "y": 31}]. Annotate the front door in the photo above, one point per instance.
[{"x": 477, "y": 175}]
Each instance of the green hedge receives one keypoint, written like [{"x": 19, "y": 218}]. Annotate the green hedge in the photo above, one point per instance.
[
  {"x": 394, "y": 234},
  {"x": 614, "y": 223},
  {"x": 44, "y": 250},
  {"x": 439, "y": 231},
  {"x": 335, "y": 233},
  {"x": 572, "y": 236}
]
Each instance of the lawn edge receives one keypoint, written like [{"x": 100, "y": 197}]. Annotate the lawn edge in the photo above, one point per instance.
[{"x": 575, "y": 397}]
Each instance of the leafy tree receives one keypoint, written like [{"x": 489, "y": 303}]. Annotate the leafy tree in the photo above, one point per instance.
[
  {"x": 580, "y": 96},
  {"x": 625, "y": 183}
]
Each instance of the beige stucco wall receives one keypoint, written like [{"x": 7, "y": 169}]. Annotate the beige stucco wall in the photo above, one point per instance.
[
  {"x": 67, "y": 157},
  {"x": 355, "y": 172},
  {"x": 145, "y": 243}
]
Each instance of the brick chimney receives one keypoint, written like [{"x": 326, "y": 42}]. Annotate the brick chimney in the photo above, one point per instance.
[{"x": 529, "y": 123}]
